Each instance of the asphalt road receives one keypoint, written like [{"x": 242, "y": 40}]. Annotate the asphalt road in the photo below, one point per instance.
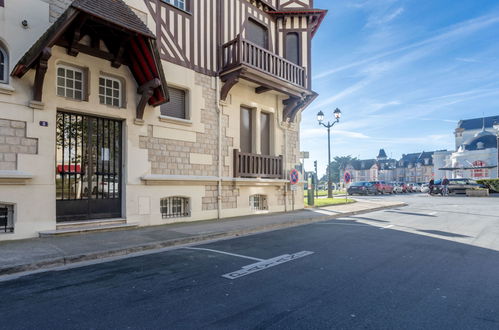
[{"x": 431, "y": 265}]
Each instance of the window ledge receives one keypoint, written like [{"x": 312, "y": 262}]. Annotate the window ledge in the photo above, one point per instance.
[
  {"x": 173, "y": 120},
  {"x": 14, "y": 177},
  {"x": 6, "y": 89}
]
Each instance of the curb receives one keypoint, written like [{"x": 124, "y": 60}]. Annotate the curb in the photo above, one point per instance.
[{"x": 66, "y": 260}]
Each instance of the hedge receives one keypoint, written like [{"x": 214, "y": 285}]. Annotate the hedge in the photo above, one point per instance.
[{"x": 492, "y": 184}]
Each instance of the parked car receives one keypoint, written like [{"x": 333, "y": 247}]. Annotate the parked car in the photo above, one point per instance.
[
  {"x": 412, "y": 187},
  {"x": 382, "y": 187},
  {"x": 362, "y": 188},
  {"x": 459, "y": 186},
  {"x": 397, "y": 188},
  {"x": 425, "y": 188}
]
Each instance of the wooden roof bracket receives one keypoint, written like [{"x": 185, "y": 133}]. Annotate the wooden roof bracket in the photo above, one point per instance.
[
  {"x": 147, "y": 91},
  {"x": 229, "y": 81},
  {"x": 41, "y": 70}
]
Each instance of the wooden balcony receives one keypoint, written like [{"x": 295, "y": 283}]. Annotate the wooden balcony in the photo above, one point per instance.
[
  {"x": 241, "y": 58},
  {"x": 247, "y": 165}
]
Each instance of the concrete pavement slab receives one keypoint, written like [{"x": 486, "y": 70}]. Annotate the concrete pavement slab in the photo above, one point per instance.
[{"x": 32, "y": 254}]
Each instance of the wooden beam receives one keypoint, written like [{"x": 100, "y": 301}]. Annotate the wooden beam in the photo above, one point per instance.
[
  {"x": 229, "y": 81},
  {"x": 147, "y": 90},
  {"x": 76, "y": 37},
  {"x": 262, "y": 89},
  {"x": 118, "y": 56},
  {"x": 41, "y": 70}
]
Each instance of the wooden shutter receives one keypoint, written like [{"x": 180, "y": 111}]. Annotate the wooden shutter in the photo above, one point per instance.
[
  {"x": 265, "y": 133},
  {"x": 293, "y": 47},
  {"x": 245, "y": 130},
  {"x": 257, "y": 34},
  {"x": 3, "y": 64},
  {"x": 176, "y": 106}
]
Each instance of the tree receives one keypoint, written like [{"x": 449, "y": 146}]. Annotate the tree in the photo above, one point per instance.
[{"x": 338, "y": 163}]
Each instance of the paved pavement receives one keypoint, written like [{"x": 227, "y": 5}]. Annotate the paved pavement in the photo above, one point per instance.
[
  {"x": 33, "y": 254},
  {"x": 430, "y": 265}
]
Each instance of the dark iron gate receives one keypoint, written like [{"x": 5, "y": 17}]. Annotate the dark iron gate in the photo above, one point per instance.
[{"x": 88, "y": 172}]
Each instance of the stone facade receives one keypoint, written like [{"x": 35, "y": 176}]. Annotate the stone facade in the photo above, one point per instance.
[
  {"x": 210, "y": 198},
  {"x": 13, "y": 141},
  {"x": 229, "y": 197},
  {"x": 173, "y": 157}
]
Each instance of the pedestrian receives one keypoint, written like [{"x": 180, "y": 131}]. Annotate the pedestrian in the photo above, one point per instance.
[
  {"x": 445, "y": 183},
  {"x": 431, "y": 186}
]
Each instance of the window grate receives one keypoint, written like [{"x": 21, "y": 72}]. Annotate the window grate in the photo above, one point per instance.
[
  {"x": 258, "y": 202},
  {"x": 175, "y": 207},
  {"x": 6, "y": 218},
  {"x": 110, "y": 91},
  {"x": 70, "y": 83}
]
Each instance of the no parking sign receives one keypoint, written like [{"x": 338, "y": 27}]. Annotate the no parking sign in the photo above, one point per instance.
[
  {"x": 347, "y": 177},
  {"x": 294, "y": 176}
]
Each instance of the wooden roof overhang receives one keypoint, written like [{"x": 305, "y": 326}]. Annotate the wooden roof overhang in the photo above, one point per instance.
[
  {"x": 316, "y": 16},
  {"x": 126, "y": 38}
]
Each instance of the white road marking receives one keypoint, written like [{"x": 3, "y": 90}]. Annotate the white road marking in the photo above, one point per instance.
[
  {"x": 386, "y": 227},
  {"x": 432, "y": 213},
  {"x": 343, "y": 224},
  {"x": 265, "y": 264},
  {"x": 223, "y": 252}
]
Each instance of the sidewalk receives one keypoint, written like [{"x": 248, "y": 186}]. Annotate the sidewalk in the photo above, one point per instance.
[{"x": 38, "y": 253}]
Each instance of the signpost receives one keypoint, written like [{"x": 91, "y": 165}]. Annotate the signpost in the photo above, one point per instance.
[{"x": 294, "y": 177}]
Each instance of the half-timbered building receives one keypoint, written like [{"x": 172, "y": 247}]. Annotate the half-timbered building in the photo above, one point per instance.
[{"x": 122, "y": 113}]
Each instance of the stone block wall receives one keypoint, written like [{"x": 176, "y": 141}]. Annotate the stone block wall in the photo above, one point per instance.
[
  {"x": 229, "y": 197},
  {"x": 210, "y": 198},
  {"x": 13, "y": 141},
  {"x": 172, "y": 157}
]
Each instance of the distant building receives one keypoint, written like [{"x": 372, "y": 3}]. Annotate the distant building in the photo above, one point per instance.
[
  {"x": 476, "y": 151},
  {"x": 414, "y": 167}
]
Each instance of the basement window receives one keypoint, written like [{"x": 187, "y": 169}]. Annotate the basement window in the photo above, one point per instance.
[
  {"x": 6, "y": 218},
  {"x": 175, "y": 207},
  {"x": 258, "y": 203}
]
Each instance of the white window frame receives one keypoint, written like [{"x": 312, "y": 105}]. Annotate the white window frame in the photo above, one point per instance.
[
  {"x": 5, "y": 79},
  {"x": 180, "y": 4},
  {"x": 83, "y": 82},
  {"x": 120, "y": 92}
]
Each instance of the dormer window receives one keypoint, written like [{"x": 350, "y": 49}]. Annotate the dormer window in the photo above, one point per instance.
[{"x": 4, "y": 65}]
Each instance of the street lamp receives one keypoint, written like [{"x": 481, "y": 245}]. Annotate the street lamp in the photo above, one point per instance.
[
  {"x": 320, "y": 119},
  {"x": 496, "y": 127}
]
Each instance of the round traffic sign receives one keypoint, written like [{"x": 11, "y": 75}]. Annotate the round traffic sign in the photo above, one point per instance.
[
  {"x": 347, "y": 177},
  {"x": 294, "y": 176}
]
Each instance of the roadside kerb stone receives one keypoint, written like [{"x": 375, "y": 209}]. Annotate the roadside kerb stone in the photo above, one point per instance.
[{"x": 66, "y": 260}]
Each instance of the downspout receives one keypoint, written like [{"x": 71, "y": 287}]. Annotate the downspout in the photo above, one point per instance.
[
  {"x": 284, "y": 127},
  {"x": 219, "y": 111},
  {"x": 219, "y": 179}
]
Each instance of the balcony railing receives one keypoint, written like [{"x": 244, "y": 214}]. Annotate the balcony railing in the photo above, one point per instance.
[
  {"x": 248, "y": 165},
  {"x": 240, "y": 51}
]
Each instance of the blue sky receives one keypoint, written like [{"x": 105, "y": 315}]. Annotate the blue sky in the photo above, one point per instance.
[{"x": 403, "y": 72}]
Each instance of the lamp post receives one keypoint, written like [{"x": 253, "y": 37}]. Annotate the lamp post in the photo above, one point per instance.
[
  {"x": 496, "y": 127},
  {"x": 320, "y": 118}
]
